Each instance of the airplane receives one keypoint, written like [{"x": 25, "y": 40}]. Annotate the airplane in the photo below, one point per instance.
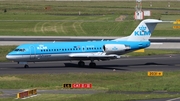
[{"x": 85, "y": 50}]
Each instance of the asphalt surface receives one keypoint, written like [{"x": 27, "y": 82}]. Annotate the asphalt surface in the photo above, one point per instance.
[
  {"x": 125, "y": 64},
  {"x": 133, "y": 64}
]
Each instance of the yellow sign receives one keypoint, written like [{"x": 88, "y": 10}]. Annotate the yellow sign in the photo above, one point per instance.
[
  {"x": 177, "y": 22},
  {"x": 30, "y": 92},
  {"x": 176, "y": 27},
  {"x": 155, "y": 73},
  {"x": 140, "y": 50}
]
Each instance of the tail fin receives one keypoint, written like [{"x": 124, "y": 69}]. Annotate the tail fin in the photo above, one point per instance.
[{"x": 143, "y": 31}]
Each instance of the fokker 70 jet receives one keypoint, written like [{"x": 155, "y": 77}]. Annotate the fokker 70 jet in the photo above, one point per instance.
[{"x": 85, "y": 50}]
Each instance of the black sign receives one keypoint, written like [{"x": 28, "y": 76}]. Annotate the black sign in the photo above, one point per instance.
[{"x": 66, "y": 85}]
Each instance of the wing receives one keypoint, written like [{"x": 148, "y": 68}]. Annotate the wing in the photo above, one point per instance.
[{"x": 94, "y": 56}]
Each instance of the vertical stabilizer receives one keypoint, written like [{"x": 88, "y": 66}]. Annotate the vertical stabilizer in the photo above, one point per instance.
[{"x": 144, "y": 30}]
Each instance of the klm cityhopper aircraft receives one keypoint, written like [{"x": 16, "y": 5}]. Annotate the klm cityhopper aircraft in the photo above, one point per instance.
[{"x": 90, "y": 50}]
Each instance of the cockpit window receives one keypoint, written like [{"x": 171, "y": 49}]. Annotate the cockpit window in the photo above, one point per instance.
[
  {"x": 21, "y": 50},
  {"x": 16, "y": 50}
]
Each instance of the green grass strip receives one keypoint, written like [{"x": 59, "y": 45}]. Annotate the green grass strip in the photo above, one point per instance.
[{"x": 124, "y": 81}]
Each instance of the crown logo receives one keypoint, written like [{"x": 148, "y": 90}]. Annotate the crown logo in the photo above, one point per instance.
[{"x": 142, "y": 28}]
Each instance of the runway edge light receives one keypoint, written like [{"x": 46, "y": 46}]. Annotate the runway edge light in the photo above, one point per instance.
[{"x": 155, "y": 73}]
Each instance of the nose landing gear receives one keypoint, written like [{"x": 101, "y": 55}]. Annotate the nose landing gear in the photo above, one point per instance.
[
  {"x": 26, "y": 66},
  {"x": 82, "y": 64}
]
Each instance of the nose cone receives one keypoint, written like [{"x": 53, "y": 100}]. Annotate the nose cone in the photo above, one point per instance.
[{"x": 9, "y": 57}]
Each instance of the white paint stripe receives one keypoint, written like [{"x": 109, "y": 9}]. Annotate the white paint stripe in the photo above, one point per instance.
[{"x": 174, "y": 99}]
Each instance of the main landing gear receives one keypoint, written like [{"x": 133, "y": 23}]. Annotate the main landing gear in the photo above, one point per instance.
[
  {"x": 92, "y": 64},
  {"x": 24, "y": 63},
  {"x": 26, "y": 66},
  {"x": 82, "y": 64}
]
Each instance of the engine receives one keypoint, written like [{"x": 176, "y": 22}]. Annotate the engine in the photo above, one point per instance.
[{"x": 115, "y": 48}]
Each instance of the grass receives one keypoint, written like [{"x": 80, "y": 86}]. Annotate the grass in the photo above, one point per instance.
[
  {"x": 79, "y": 28},
  {"x": 95, "y": 19},
  {"x": 111, "y": 82},
  {"x": 149, "y": 52},
  {"x": 4, "y": 50},
  {"x": 125, "y": 81}
]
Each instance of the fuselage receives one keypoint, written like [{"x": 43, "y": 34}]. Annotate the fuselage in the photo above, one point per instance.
[{"x": 58, "y": 51}]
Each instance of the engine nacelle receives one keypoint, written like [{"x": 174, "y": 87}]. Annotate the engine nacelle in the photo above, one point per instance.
[{"x": 115, "y": 48}]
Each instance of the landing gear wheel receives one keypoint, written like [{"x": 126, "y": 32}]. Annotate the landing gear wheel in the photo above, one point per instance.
[
  {"x": 81, "y": 64},
  {"x": 26, "y": 66},
  {"x": 92, "y": 64}
]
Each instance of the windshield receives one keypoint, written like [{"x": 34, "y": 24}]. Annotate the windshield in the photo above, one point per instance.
[{"x": 21, "y": 50}]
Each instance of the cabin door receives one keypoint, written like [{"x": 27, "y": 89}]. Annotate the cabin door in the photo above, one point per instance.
[{"x": 32, "y": 52}]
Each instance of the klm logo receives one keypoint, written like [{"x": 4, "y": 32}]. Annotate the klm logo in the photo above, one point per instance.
[
  {"x": 42, "y": 47},
  {"x": 142, "y": 32},
  {"x": 114, "y": 48}
]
